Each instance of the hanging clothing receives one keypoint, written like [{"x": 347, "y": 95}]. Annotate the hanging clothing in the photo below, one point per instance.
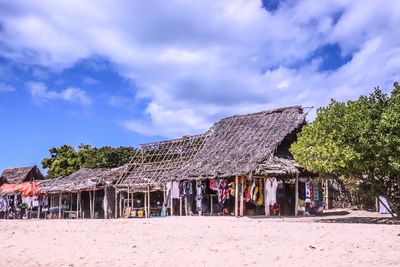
[
  {"x": 260, "y": 196},
  {"x": 316, "y": 192},
  {"x": 187, "y": 188},
  {"x": 200, "y": 190},
  {"x": 247, "y": 192},
  {"x": 253, "y": 191},
  {"x": 3, "y": 203},
  {"x": 175, "y": 189},
  {"x": 271, "y": 185},
  {"x": 308, "y": 190},
  {"x": 223, "y": 192}
]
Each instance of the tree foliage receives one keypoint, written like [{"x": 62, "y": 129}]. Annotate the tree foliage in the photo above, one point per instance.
[
  {"x": 357, "y": 139},
  {"x": 65, "y": 159}
]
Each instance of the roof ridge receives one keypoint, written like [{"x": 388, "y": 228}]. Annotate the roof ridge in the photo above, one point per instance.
[{"x": 268, "y": 111}]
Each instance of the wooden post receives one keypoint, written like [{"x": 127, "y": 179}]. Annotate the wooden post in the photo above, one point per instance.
[
  {"x": 145, "y": 205},
  {"x": 77, "y": 205},
  {"x": 148, "y": 201},
  {"x": 212, "y": 206},
  {"x": 180, "y": 206},
  {"x": 242, "y": 197},
  {"x": 59, "y": 207},
  {"x": 94, "y": 202},
  {"x": 266, "y": 204},
  {"x": 327, "y": 193},
  {"x": 128, "y": 197},
  {"x": 80, "y": 204},
  {"x": 172, "y": 202},
  {"x": 296, "y": 195},
  {"x": 105, "y": 202},
  {"x": 116, "y": 204},
  {"x": 236, "y": 195},
  {"x": 164, "y": 194},
  {"x": 91, "y": 205}
]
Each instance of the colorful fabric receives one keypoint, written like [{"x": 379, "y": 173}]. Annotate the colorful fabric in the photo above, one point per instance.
[{"x": 271, "y": 185}]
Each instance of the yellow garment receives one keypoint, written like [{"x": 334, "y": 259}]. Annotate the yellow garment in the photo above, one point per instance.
[{"x": 260, "y": 200}]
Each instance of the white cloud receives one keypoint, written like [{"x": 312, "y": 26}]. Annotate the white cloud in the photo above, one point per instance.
[
  {"x": 40, "y": 93},
  {"x": 196, "y": 61}
]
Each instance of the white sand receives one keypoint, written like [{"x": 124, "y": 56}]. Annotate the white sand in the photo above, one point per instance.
[{"x": 199, "y": 241}]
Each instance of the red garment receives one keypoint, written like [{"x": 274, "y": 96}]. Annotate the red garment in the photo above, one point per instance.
[
  {"x": 26, "y": 189},
  {"x": 311, "y": 191}
]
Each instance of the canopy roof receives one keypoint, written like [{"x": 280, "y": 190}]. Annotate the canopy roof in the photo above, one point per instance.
[
  {"x": 239, "y": 144},
  {"x": 156, "y": 162},
  {"x": 81, "y": 180},
  {"x": 21, "y": 174}
]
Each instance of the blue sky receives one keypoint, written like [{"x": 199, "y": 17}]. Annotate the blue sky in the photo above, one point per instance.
[{"x": 125, "y": 73}]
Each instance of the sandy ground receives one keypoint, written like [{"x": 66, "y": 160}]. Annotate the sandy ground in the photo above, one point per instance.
[{"x": 340, "y": 239}]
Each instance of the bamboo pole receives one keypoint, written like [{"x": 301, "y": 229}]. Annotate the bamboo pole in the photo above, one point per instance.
[
  {"x": 80, "y": 204},
  {"x": 172, "y": 202},
  {"x": 327, "y": 193},
  {"x": 180, "y": 206},
  {"x": 296, "y": 195},
  {"x": 116, "y": 204},
  {"x": 148, "y": 201},
  {"x": 94, "y": 202},
  {"x": 266, "y": 204},
  {"x": 242, "y": 197},
  {"x": 145, "y": 205},
  {"x": 91, "y": 205},
  {"x": 59, "y": 206},
  {"x": 186, "y": 206},
  {"x": 236, "y": 195},
  {"x": 105, "y": 202},
  {"x": 128, "y": 197},
  {"x": 212, "y": 204},
  {"x": 77, "y": 205}
]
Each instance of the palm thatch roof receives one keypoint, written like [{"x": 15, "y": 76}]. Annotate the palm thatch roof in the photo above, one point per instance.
[
  {"x": 156, "y": 162},
  {"x": 240, "y": 145},
  {"x": 81, "y": 180},
  {"x": 21, "y": 174}
]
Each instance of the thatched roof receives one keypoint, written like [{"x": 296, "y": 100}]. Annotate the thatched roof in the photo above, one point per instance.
[
  {"x": 82, "y": 180},
  {"x": 156, "y": 162},
  {"x": 21, "y": 174},
  {"x": 239, "y": 144}
]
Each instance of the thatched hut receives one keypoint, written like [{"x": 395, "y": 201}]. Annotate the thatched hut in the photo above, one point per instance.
[
  {"x": 241, "y": 147},
  {"x": 84, "y": 193},
  {"x": 20, "y": 175}
]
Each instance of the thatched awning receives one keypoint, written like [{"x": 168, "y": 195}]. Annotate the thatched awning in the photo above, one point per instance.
[
  {"x": 21, "y": 174},
  {"x": 241, "y": 144},
  {"x": 81, "y": 180},
  {"x": 156, "y": 162}
]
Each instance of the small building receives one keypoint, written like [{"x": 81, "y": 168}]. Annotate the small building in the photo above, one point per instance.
[{"x": 20, "y": 175}]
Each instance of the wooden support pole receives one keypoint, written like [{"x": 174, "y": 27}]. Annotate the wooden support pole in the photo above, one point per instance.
[
  {"x": 80, "y": 204},
  {"x": 242, "y": 197},
  {"x": 116, "y": 204},
  {"x": 296, "y": 195},
  {"x": 94, "y": 202},
  {"x": 90, "y": 204},
  {"x": 236, "y": 195},
  {"x": 77, "y": 205},
  {"x": 212, "y": 204},
  {"x": 105, "y": 202},
  {"x": 145, "y": 205},
  {"x": 148, "y": 201},
  {"x": 327, "y": 193},
  {"x": 128, "y": 197},
  {"x": 164, "y": 195},
  {"x": 266, "y": 204},
  {"x": 186, "y": 206},
  {"x": 180, "y": 206},
  {"x": 172, "y": 202},
  {"x": 59, "y": 207}
]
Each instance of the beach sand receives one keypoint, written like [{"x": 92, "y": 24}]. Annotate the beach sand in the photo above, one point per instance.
[{"x": 333, "y": 240}]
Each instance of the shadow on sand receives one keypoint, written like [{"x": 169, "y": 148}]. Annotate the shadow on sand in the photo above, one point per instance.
[{"x": 365, "y": 220}]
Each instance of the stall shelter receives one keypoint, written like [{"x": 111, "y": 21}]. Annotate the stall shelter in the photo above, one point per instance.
[
  {"x": 241, "y": 166},
  {"x": 18, "y": 192}
]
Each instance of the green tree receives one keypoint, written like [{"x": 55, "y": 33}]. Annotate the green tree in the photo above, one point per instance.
[
  {"x": 65, "y": 160},
  {"x": 357, "y": 139}
]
